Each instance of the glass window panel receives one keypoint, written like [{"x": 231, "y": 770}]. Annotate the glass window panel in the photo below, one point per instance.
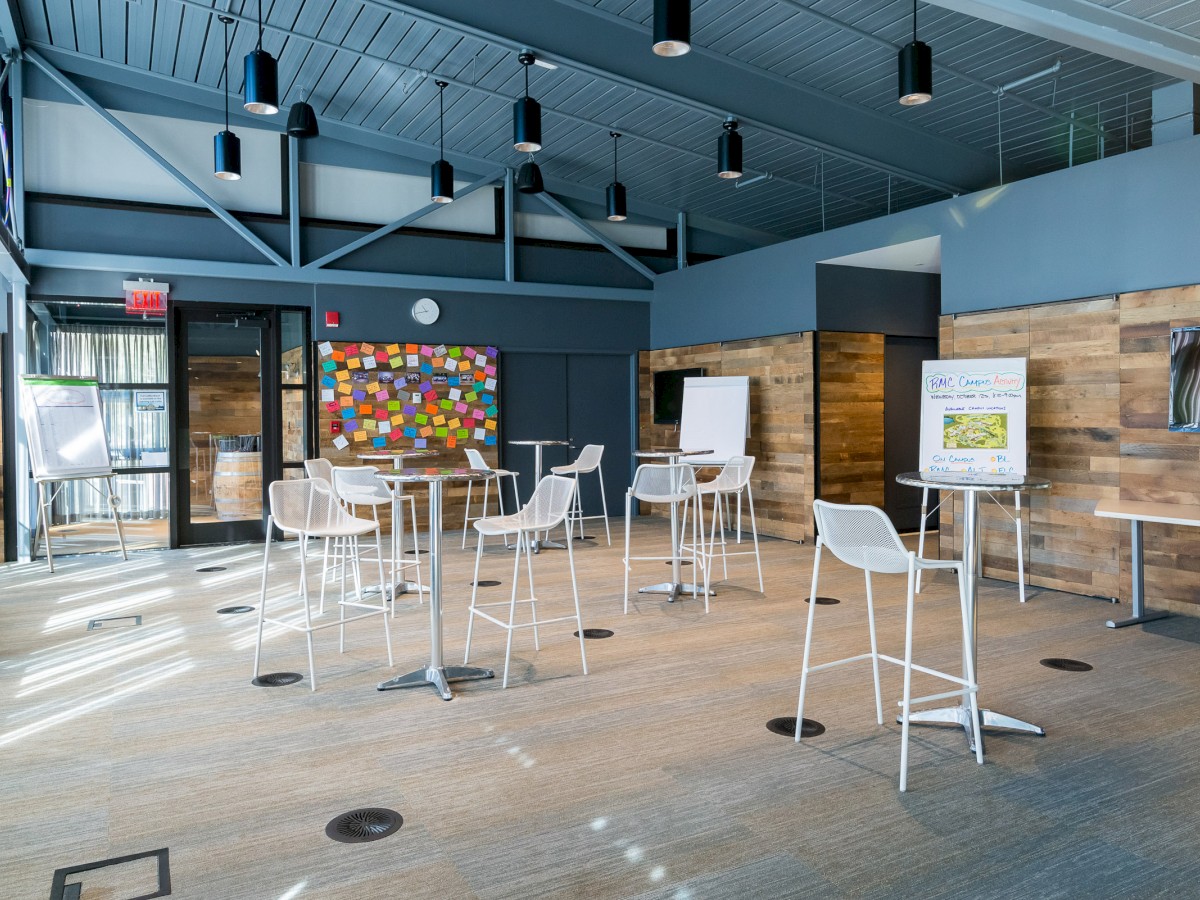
[
  {"x": 82, "y": 523},
  {"x": 97, "y": 340},
  {"x": 294, "y": 425},
  {"x": 293, "y": 348},
  {"x": 137, "y": 426}
]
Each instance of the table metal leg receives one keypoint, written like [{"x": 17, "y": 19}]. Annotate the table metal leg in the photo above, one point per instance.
[
  {"x": 1138, "y": 597},
  {"x": 436, "y": 673},
  {"x": 539, "y": 543},
  {"x": 961, "y": 714},
  {"x": 675, "y": 587}
]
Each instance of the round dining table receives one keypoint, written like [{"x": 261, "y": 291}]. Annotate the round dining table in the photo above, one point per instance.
[
  {"x": 675, "y": 586},
  {"x": 397, "y": 458}
]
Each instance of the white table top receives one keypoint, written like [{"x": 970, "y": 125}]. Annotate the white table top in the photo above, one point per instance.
[
  {"x": 410, "y": 475},
  {"x": 668, "y": 453},
  {"x": 1146, "y": 511},
  {"x": 971, "y": 481},
  {"x": 540, "y": 443},
  {"x": 398, "y": 454}
]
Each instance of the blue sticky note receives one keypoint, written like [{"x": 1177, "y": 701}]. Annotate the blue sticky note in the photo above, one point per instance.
[
  {"x": 349, "y": 413},
  {"x": 410, "y": 432},
  {"x": 427, "y": 368},
  {"x": 379, "y": 442},
  {"x": 487, "y": 398},
  {"x": 452, "y": 381},
  {"x": 419, "y": 443},
  {"x": 328, "y": 381},
  {"x": 489, "y": 441},
  {"x": 491, "y": 410}
]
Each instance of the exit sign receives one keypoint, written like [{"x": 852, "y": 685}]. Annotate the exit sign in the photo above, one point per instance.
[{"x": 146, "y": 298}]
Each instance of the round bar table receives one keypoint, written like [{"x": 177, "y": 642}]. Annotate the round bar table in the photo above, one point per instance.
[
  {"x": 397, "y": 458},
  {"x": 970, "y": 485},
  {"x": 436, "y": 673},
  {"x": 537, "y": 479},
  {"x": 674, "y": 587}
]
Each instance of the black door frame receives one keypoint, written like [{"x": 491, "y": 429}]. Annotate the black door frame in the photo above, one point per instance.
[{"x": 183, "y": 532}]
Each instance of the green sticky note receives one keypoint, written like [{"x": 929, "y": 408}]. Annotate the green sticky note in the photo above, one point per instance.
[
  {"x": 471, "y": 397},
  {"x": 464, "y": 433},
  {"x": 393, "y": 405},
  {"x": 491, "y": 410},
  {"x": 455, "y": 352},
  {"x": 441, "y": 432},
  {"x": 421, "y": 419},
  {"x": 447, "y": 404}
]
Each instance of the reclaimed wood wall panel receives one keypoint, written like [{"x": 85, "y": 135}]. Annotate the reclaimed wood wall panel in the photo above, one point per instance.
[
  {"x": 780, "y": 369},
  {"x": 850, "y": 414}
]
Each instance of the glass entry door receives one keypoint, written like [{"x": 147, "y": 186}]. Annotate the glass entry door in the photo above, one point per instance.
[{"x": 228, "y": 422}]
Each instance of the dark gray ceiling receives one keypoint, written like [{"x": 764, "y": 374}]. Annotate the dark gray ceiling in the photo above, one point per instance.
[{"x": 814, "y": 82}]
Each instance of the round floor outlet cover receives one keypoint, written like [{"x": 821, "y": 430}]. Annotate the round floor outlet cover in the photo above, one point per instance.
[
  {"x": 361, "y": 825},
  {"x": 1066, "y": 665},
  {"x": 276, "y": 679},
  {"x": 415, "y": 552},
  {"x": 595, "y": 633},
  {"x": 682, "y": 562},
  {"x": 211, "y": 569},
  {"x": 825, "y": 601},
  {"x": 786, "y": 725},
  {"x": 488, "y": 583},
  {"x": 233, "y": 610}
]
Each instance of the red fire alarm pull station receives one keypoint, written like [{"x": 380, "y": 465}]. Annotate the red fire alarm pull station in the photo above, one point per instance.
[
  {"x": 332, "y": 319},
  {"x": 335, "y": 427}
]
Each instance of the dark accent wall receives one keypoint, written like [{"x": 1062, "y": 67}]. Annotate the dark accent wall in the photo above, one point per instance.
[{"x": 902, "y": 304}]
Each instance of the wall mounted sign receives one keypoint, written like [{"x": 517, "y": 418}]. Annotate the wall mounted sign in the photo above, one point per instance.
[{"x": 146, "y": 298}]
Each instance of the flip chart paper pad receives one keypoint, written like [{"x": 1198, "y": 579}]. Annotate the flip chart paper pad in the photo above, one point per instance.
[
  {"x": 973, "y": 416},
  {"x": 715, "y": 416},
  {"x": 65, "y": 424}
]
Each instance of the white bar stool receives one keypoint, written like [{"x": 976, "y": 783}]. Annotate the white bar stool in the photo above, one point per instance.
[
  {"x": 864, "y": 537},
  {"x": 587, "y": 461},
  {"x": 733, "y": 480},
  {"x": 475, "y": 461},
  {"x": 307, "y": 507},
  {"x": 674, "y": 484},
  {"x": 545, "y": 510},
  {"x": 1021, "y": 575}
]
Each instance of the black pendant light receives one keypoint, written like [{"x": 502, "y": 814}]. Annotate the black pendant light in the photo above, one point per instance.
[
  {"x": 302, "y": 120},
  {"x": 527, "y": 115},
  {"x": 672, "y": 27},
  {"x": 617, "y": 211},
  {"x": 227, "y": 149},
  {"x": 262, "y": 82},
  {"x": 529, "y": 177},
  {"x": 729, "y": 150},
  {"x": 441, "y": 176},
  {"x": 916, "y": 69}
]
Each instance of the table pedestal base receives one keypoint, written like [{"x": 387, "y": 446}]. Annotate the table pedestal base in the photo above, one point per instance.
[
  {"x": 675, "y": 590},
  {"x": 406, "y": 587},
  {"x": 961, "y": 716},
  {"x": 1137, "y": 619},
  {"x": 438, "y": 676}
]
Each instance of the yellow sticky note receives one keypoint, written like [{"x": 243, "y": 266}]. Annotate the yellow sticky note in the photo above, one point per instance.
[
  {"x": 373, "y": 387},
  {"x": 490, "y": 424},
  {"x": 341, "y": 375},
  {"x": 393, "y": 349},
  {"x": 345, "y": 388},
  {"x": 354, "y": 363},
  {"x": 464, "y": 365},
  {"x": 439, "y": 420},
  {"x": 426, "y": 431},
  {"x": 398, "y": 419},
  {"x": 360, "y": 435},
  {"x": 454, "y": 423}
]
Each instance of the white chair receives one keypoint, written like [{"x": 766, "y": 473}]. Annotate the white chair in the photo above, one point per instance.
[
  {"x": 587, "y": 461},
  {"x": 732, "y": 481},
  {"x": 307, "y": 507},
  {"x": 319, "y": 468},
  {"x": 864, "y": 537},
  {"x": 476, "y": 461},
  {"x": 359, "y": 486},
  {"x": 664, "y": 484},
  {"x": 1015, "y": 516},
  {"x": 546, "y": 509}
]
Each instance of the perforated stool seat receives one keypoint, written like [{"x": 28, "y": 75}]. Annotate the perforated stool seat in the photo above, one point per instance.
[
  {"x": 864, "y": 537},
  {"x": 586, "y": 462},
  {"x": 732, "y": 481},
  {"x": 475, "y": 460}
]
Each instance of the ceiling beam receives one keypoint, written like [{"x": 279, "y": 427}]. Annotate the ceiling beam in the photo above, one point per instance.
[
  {"x": 1091, "y": 27},
  {"x": 212, "y": 100},
  {"x": 599, "y": 237},
  {"x": 9, "y": 32}
]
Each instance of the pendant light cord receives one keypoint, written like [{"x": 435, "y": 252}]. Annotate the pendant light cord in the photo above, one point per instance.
[
  {"x": 914, "y": 19},
  {"x": 225, "y": 74},
  {"x": 615, "y": 136},
  {"x": 260, "y": 29},
  {"x": 441, "y": 121}
]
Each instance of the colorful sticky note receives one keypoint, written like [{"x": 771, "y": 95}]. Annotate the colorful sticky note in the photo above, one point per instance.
[
  {"x": 490, "y": 441},
  {"x": 372, "y": 387},
  {"x": 490, "y": 424},
  {"x": 329, "y": 365},
  {"x": 368, "y": 362},
  {"x": 426, "y": 369},
  {"x": 359, "y": 395},
  {"x": 456, "y": 352},
  {"x": 480, "y": 434},
  {"x": 413, "y": 361},
  {"x": 379, "y": 442},
  {"x": 354, "y": 363},
  {"x": 440, "y": 350},
  {"x": 477, "y": 414},
  {"x": 426, "y": 431},
  {"x": 409, "y": 410},
  {"x": 470, "y": 396},
  {"x": 350, "y": 425},
  {"x": 426, "y": 386},
  {"x": 381, "y": 414},
  {"x": 381, "y": 396},
  {"x": 488, "y": 399},
  {"x": 393, "y": 349},
  {"x": 491, "y": 370},
  {"x": 490, "y": 384},
  {"x": 410, "y": 432},
  {"x": 351, "y": 350},
  {"x": 439, "y": 420},
  {"x": 447, "y": 404},
  {"x": 396, "y": 362},
  {"x": 451, "y": 442},
  {"x": 397, "y": 419},
  {"x": 442, "y": 432},
  {"x": 325, "y": 347},
  {"x": 437, "y": 362},
  {"x": 380, "y": 356},
  {"x": 420, "y": 418},
  {"x": 431, "y": 408},
  {"x": 492, "y": 351},
  {"x": 368, "y": 424},
  {"x": 455, "y": 394},
  {"x": 349, "y": 413},
  {"x": 364, "y": 409},
  {"x": 366, "y": 348},
  {"x": 338, "y": 356},
  {"x": 426, "y": 350},
  {"x": 396, "y": 434},
  {"x": 463, "y": 365},
  {"x": 455, "y": 422},
  {"x": 463, "y": 434},
  {"x": 393, "y": 405},
  {"x": 340, "y": 442},
  {"x": 410, "y": 348},
  {"x": 341, "y": 375},
  {"x": 419, "y": 444},
  {"x": 345, "y": 401},
  {"x": 344, "y": 388},
  {"x": 326, "y": 395},
  {"x": 491, "y": 410},
  {"x": 360, "y": 435},
  {"x": 460, "y": 407},
  {"x": 328, "y": 381}
]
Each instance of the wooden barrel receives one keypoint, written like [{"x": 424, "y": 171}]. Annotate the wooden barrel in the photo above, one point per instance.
[{"x": 237, "y": 485}]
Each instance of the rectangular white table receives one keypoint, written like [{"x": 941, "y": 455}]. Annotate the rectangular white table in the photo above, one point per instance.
[{"x": 1137, "y": 512}]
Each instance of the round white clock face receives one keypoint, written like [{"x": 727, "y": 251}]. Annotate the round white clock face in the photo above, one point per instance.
[{"x": 426, "y": 311}]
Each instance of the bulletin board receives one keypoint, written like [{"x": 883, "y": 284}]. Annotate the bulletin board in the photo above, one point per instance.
[
  {"x": 385, "y": 396},
  {"x": 973, "y": 416}
]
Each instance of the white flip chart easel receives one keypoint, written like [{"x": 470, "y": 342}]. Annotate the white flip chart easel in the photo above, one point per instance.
[
  {"x": 716, "y": 416},
  {"x": 65, "y": 425}
]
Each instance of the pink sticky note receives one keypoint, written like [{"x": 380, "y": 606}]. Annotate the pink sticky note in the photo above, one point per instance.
[
  {"x": 491, "y": 370},
  {"x": 426, "y": 350},
  {"x": 469, "y": 352},
  {"x": 396, "y": 434},
  {"x": 477, "y": 414},
  {"x": 381, "y": 395},
  {"x": 460, "y": 407}
]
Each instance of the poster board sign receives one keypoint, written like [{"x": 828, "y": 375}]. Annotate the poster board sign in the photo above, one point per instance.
[
  {"x": 716, "y": 416},
  {"x": 973, "y": 416},
  {"x": 65, "y": 424},
  {"x": 379, "y": 396}
]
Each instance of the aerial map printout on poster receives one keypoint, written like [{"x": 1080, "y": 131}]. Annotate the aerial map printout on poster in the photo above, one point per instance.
[{"x": 973, "y": 416}]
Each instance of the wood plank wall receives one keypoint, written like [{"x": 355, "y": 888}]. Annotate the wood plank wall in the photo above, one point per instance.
[
  {"x": 851, "y": 417},
  {"x": 1098, "y": 402},
  {"x": 781, "y": 419}
]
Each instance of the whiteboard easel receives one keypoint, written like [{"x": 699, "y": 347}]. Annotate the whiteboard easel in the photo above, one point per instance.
[
  {"x": 65, "y": 425},
  {"x": 716, "y": 416}
]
